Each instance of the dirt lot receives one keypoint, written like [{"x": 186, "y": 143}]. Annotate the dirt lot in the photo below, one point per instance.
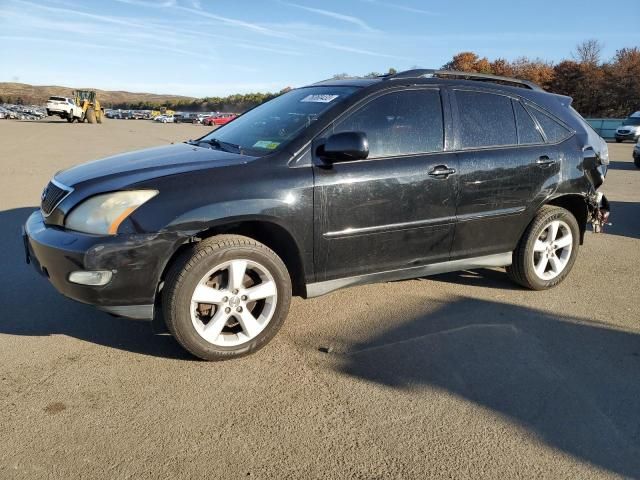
[{"x": 458, "y": 376}]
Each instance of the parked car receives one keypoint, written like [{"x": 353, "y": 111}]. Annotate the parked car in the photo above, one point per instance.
[
  {"x": 200, "y": 117},
  {"x": 185, "y": 118},
  {"x": 219, "y": 119},
  {"x": 630, "y": 129},
  {"x": 165, "y": 119},
  {"x": 636, "y": 154},
  {"x": 340, "y": 183},
  {"x": 64, "y": 107}
]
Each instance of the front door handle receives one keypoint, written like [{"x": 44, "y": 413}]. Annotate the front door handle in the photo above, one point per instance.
[
  {"x": 545, "y": 160},
  {"x": 441, "y": 171}
]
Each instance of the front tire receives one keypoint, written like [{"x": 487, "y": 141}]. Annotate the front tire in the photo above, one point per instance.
[
  {"x": 636, "y": 160},
  {"x": 226, "y": 297},
  {"x": 547, "y": 250}
]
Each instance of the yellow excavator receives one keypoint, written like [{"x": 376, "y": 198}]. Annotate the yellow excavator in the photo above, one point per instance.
[{"x": 92, "y": 112}]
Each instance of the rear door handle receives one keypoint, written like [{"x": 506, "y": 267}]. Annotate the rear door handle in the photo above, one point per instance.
[
  {"x": 441, "y": 171},
  {"x": 545, "y": 160}
]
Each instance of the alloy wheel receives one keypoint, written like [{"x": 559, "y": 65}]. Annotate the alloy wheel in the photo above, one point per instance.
[
  {"x": 552, "y": 250},
  {"x": 233, "y": 303}
]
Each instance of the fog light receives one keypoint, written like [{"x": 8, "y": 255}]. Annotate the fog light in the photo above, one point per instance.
[{"x": 95, "y": 278}]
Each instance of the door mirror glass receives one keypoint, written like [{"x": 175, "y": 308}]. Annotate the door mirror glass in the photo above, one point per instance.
[{"x": 345, "y": 146}]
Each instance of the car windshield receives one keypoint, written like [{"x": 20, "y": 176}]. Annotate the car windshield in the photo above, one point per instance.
[
  {"x": 631, "y": 121},
  {"x": 275, "y": 123}
]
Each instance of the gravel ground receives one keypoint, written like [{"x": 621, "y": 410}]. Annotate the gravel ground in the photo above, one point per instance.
[{"x": 461, "y": 375}]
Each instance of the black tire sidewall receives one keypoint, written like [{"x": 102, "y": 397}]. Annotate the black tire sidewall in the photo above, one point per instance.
[
  {"x": 178, "y": 304},
  {"x": 538, "y": 225}
]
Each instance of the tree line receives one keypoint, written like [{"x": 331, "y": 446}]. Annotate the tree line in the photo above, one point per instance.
[
  {"x": 599, "y": 87},
  {"x": 232, "y": 103}
]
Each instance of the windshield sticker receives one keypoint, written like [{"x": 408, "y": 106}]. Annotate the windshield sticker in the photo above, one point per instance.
[
  {"x": 319, "y": 98},
  {"x": 269, "y": 145}
]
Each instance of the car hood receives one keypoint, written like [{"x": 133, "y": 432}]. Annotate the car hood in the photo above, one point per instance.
[
  {"x": 150, "y": 163},
  {"x": 628, "y": 127}
]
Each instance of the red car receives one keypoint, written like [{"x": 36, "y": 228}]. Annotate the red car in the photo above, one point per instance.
[{"x": 219, "y": 119}]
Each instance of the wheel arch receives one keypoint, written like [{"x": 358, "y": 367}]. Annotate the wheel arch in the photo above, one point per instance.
[
  {"x": 577, "y": 205},
  {"x": 267, "y": 232}
]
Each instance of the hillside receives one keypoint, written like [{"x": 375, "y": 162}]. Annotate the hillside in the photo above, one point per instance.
[{"x": 35, "y": 94}]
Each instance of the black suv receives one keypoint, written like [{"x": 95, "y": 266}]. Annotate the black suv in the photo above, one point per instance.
[{"x": 340, "y": 183}]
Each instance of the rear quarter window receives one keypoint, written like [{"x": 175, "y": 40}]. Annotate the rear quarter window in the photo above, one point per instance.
[{"x": 554, "y": 130}]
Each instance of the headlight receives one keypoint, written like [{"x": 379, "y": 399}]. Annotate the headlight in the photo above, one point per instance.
[{"x": 103, "y": 214}]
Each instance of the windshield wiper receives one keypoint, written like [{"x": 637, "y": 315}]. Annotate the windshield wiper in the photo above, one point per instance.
[{"x": 225, "y": 146}]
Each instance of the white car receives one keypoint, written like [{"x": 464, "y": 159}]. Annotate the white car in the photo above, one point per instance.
[
  {"x": 64, "y": 107},
  {"x": 165, "y": 119}
]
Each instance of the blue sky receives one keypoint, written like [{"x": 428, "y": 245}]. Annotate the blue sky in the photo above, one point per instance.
[{"x": 218, "y": 47}]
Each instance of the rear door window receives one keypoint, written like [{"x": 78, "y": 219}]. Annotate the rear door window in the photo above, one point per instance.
[
  {"x": 554, "y": 131},
  {"x": 399, "y": 123},
  {"x": 486, "y": 120},
  {"x": 528, "y": 131}
]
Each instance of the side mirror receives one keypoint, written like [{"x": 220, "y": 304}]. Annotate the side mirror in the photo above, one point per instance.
[{"x": 345, "y": 146}]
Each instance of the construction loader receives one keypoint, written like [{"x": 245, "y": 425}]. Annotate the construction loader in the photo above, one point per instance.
[{"x": 92, "y": 112}]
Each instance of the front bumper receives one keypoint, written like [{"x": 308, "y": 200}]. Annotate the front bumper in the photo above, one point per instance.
[
  {"x": 137, "y": 262},
  {"x": 627, "y": 136}
]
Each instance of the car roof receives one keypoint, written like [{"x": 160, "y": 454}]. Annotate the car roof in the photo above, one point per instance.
[
  {"x": 346, "y": 82},
  {"x": 505, "y": 85}
]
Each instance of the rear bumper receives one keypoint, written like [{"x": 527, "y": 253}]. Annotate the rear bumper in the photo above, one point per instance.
[{"x": 136, "y": 261}]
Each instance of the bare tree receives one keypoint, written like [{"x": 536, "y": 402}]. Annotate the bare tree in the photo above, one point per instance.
[{"x": 588, "y": 52}]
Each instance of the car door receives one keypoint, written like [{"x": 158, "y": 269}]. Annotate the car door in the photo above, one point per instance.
[
  {"x": 505, "y": 169},
  {"x": 395, "y": 209}
]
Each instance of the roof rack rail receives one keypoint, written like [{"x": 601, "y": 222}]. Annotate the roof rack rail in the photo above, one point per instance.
[{"x": 483, "y": 77}]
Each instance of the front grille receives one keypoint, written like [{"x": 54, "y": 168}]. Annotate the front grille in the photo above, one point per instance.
[
  {"x": 624, "y": 132},
  {"x": 51, "y": 197}
]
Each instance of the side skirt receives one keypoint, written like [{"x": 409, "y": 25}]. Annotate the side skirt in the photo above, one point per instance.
[{"x": 495, "y": 260}]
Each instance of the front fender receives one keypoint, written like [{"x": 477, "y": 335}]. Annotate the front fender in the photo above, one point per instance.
[{"x": 234, "y": 211}]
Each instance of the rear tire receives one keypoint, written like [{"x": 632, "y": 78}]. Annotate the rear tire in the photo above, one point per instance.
[
  {"x": 91, "y": 115},
  {"x": 636, "y": 160},
  {"x": 547, "y": 250},
  {"x": 99, "y": 116},
  {"x": 210, "y": 300}
]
